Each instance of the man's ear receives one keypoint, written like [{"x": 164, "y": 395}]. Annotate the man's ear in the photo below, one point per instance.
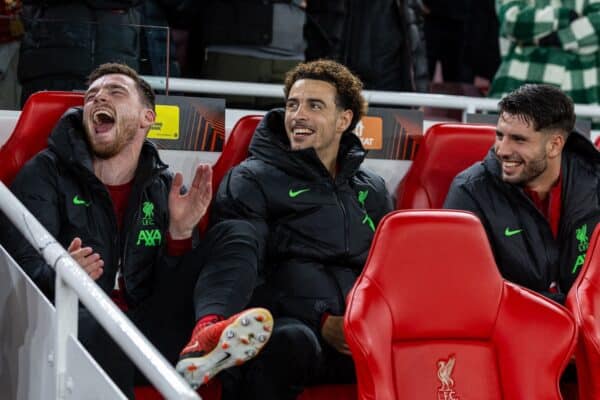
[
  {"x": 555, "y": 144},
  {"x": 344, "y": 120},
  {"x": 148, "y": 117}
]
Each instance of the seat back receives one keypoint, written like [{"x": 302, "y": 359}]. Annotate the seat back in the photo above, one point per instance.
[
  {"x": 583, "y": 301},
  {"x": 39, "y": 115},
  {"x": 423, "y": 323},
  {"x": 597, "y": 142},
  {"x": 234, "y": 152},
  {"x": 446, "y": 150}
]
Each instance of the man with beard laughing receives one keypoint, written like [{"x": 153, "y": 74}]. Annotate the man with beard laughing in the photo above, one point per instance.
[
  {"x": 102, "y": 191},
  {"x": 536, "y": 192}
]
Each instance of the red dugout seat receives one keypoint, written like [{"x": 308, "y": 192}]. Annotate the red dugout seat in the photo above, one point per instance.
[
  {"x": 446, "y": 150},
  {"x": 443, "y": 324},
  {"x": 30, "y": 135},
  {"x": 584, "y": 302}
]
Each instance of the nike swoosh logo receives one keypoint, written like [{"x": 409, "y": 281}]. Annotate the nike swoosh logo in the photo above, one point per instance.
[
  {"x": 79, "y": 202},
  {"x": 225, "y": 357},
  {"x": 295, "y": 193},
  {"x": 509, "y": 233}
]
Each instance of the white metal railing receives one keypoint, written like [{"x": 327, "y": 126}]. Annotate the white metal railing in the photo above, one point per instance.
[
  {"x": 465, "y": 103},
  {"x": 73, "y": 284}
]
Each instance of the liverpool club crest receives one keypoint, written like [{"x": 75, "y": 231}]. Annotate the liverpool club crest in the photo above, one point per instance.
[{"x": 446, "y": 390}]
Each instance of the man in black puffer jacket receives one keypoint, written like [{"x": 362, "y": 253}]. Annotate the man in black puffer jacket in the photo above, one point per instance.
[
  {"x": 102, "y": 191},
  {"x": 315, "y": 210},
  {"x": 537, "y": 192}
]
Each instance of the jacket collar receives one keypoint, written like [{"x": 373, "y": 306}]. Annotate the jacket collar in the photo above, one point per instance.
[{"x": 271, "y": 144}]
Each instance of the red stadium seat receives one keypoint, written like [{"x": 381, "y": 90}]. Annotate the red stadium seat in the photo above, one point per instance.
[
  {"x": 234, "y": 152},
  {"x": 446, "y": 150},
  {"x": 597, "y": 142},
  {"x": 584, "y": 302},
  {"x": 439, "y": 322},
  {"x": 30, "y": 135}
]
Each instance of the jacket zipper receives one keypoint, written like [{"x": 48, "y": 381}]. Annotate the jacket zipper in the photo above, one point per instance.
[
  {"x": 123, "y": 249},
  {"x": 344, "y": 216}
]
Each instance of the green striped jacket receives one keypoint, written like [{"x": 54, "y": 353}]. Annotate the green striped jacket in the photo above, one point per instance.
[{"x": 549, "y": 41}]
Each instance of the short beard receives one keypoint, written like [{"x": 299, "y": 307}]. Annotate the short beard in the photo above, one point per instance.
[
  {"x": 531, "y": 171},
  {"x": 125, "y": 135}
]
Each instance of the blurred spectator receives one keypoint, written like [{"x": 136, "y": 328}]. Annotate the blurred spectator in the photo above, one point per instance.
[
  {"x": 247, "y": 40},
  {"x": 66, "y": 39},
  {"x": 446, "y": 35},
  {"x": 381, "y": 41},
  {"x": 483, "y": 52},
  {"x": 11, "y": 31},
  {"x": 554, "y": 42},
  {"x": 159, "y": 15}
]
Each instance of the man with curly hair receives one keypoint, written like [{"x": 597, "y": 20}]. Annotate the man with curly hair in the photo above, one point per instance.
[{"x": 315, "y": 210}]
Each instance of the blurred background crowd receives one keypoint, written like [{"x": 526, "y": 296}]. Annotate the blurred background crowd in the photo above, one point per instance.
[{"x": 470, "y": 47}]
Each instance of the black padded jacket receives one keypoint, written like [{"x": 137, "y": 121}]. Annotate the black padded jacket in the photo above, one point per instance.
[
  {"x": 521, "y": 238},
  {"x": 314, "y": 231},
  {"x": 59, "y": 188}
]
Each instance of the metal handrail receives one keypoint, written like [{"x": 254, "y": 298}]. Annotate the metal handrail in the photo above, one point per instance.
[
  {"x": 73, "y": 284},
  {"x": 465, "y": 103}
]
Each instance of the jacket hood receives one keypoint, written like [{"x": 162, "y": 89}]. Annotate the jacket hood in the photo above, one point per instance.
[
  {"x": 68, "y": 142},
  {"x": 271, "y": 144},
  {"x": 577, "y": 145}
]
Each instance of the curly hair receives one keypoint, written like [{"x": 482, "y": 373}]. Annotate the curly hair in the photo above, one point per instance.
[
  {"x": 348, "y": 86},
  {"x": 144, "y": 89}
]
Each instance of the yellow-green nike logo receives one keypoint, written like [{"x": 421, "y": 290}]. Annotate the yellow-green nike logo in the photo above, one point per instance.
[
  {"x": 295, "y": 193},
  {"x": 508, "y": 232},
  {"x": 80, "y": 202}
]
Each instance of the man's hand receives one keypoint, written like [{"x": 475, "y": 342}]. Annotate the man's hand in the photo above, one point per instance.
[
  {"x": 91, "y": 262},
  {"x": 333, "y": 333},
  {"x": 186, "y": 210}
]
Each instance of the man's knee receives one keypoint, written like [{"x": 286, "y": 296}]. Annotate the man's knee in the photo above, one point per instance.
[
  {"x": 296, "y": 341},
  {"x": 234, "y": 230}
]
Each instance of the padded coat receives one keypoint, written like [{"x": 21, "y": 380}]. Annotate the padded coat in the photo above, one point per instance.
[
  {"x": 521, "y": 238},
  {"x": 59, "y": 188},
  {"x": 314, "y": 230}
]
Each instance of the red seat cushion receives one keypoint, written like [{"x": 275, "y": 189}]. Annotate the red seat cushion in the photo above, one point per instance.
[
  {"x": 210, "y": 391},
  {"x": 36, "y": 121},
  {"x": 433, "y": 317},
  {"x": 446, "y": 150}
]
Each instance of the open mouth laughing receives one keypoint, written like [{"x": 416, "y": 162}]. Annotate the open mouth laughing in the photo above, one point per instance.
[{"x": 103, "y": 120}]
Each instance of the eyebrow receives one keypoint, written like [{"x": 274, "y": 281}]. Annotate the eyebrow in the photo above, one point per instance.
[
  {"x": 308, "y": 100},
  {"x": 108, "y": 86},
  {"x": 512, "y": 135}
]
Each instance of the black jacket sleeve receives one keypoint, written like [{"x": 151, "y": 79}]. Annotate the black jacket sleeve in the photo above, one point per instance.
[
  {"x": 458, "y": 198},
  {"x": 386, "y": 202},
  {"x": 240, "y": 197}
]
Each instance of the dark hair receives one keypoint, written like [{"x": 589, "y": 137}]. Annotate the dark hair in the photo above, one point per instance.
[
  {"x": 545, "y": 107},
  {"x": 144, "y": 89},
  {"x": 348, "y": 86}
]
